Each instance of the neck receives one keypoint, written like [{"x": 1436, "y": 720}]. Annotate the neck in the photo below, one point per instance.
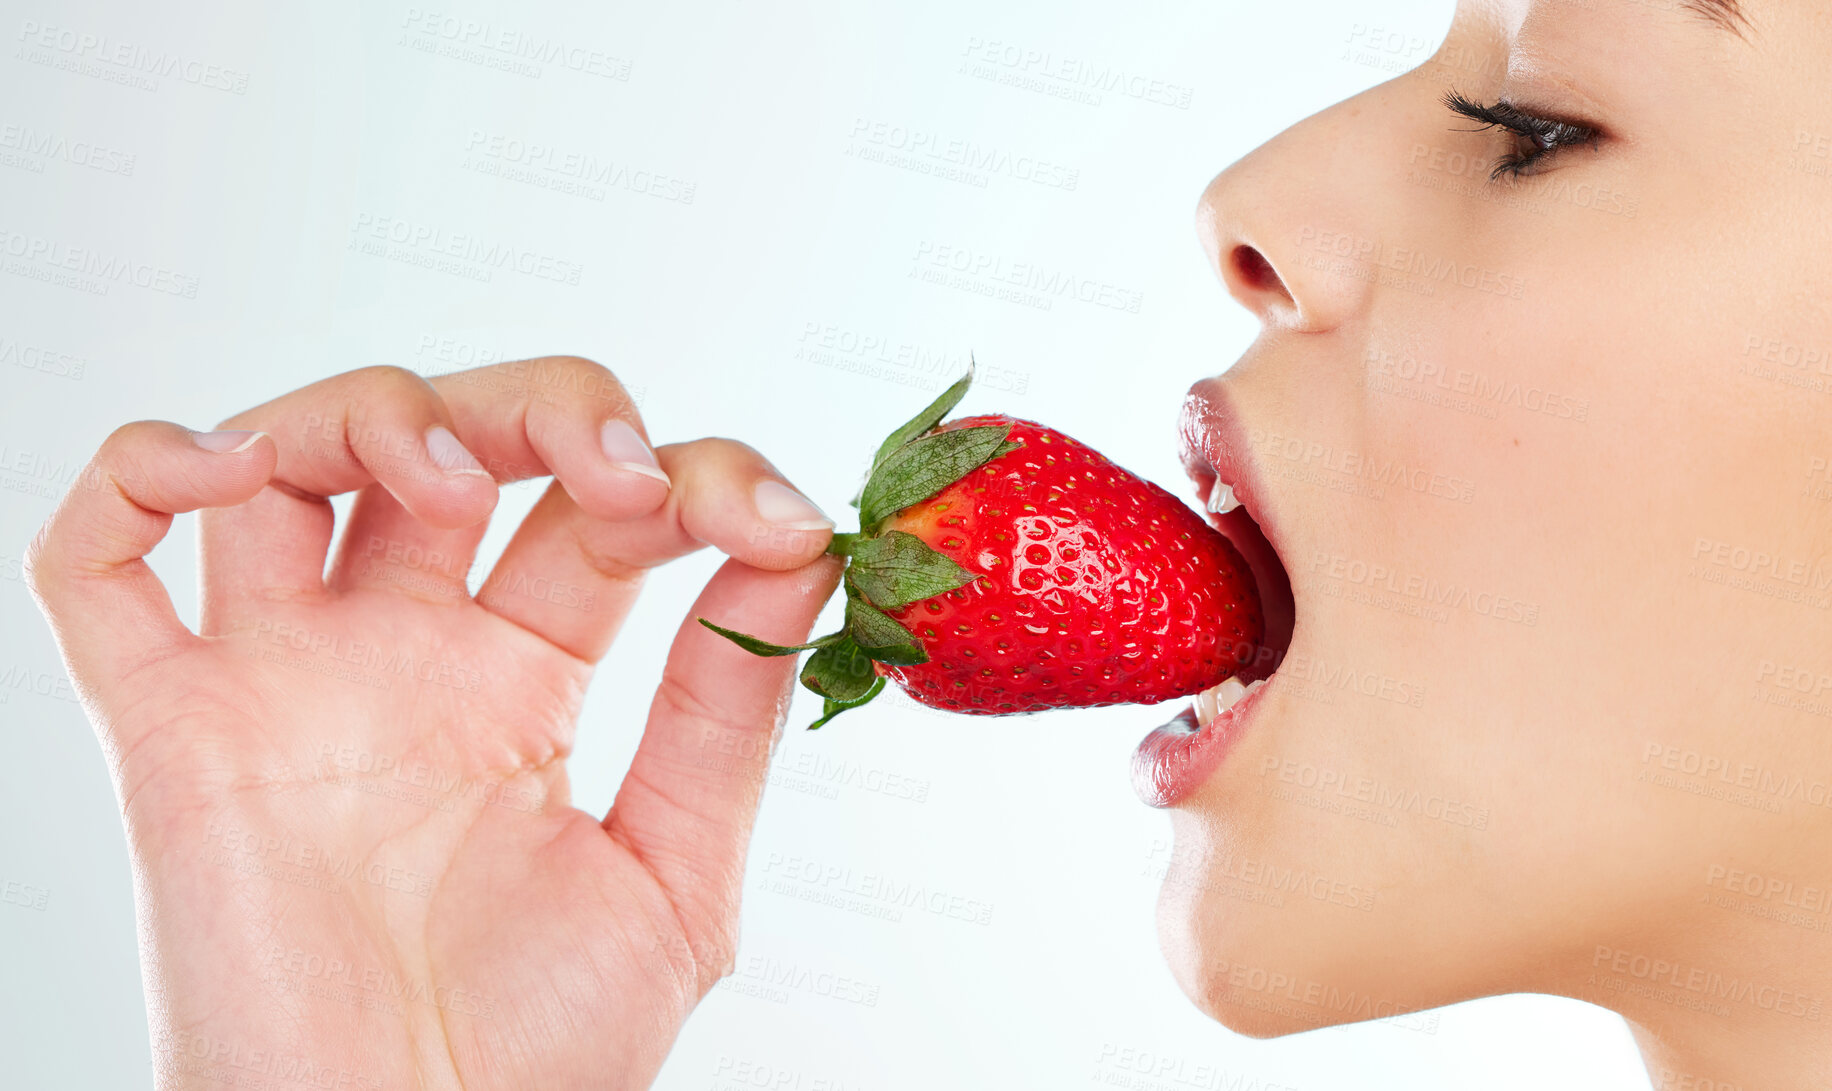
[
  {"x": 1732, "y": 989},
  {"x": 1773, "y": 1058}
]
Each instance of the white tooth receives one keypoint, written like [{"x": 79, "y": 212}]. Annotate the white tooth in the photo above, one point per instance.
[
  {"x": 1221, "y": 697},
  {"x": 1253, "y": 685},
  {"x": 1222, "y": 499},
  {"x": 1217, "y": 700},
  {"x": 1205, "y": 707}
]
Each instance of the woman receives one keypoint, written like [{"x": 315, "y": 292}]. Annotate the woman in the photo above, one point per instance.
[{"x": 1576, "y": 262}]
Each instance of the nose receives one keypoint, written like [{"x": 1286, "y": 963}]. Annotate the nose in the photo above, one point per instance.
[{"x": 1287, "y": 227}]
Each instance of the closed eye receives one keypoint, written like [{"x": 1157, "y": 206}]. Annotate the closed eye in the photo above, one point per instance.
[{"x": 1536, "y": 138}]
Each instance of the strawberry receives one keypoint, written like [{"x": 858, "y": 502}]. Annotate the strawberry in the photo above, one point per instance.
[{"x": 1002, "y": 567}]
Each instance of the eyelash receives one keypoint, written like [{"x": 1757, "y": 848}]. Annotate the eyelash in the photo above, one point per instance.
[{"x": 1543, "y": 135}]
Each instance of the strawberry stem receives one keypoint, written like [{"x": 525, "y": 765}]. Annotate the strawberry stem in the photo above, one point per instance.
[{"x": 888, "y": 569}]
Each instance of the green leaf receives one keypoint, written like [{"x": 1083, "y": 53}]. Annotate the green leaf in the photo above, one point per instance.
[
  {"x": 923, "y": 467},
  {"x": 879, "y": 635},
  {"x": 897, "y": 568},
  {"x": 928, "y": 418},
  {"x": 831, "y": 708},
  {"x": 763, "y": 647},
  {"x": 841, "y": 671}
]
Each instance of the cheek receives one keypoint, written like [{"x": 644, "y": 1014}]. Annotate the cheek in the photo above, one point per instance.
[{"x": 1583, "y": 600}]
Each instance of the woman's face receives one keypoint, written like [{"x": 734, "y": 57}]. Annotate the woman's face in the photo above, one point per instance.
[{"x": 1547, "y": 459}]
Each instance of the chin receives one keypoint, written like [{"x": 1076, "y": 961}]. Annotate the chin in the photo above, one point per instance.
[
  {"x": 1266, "y": 962},
  {"x": 1224, "y": 950}
]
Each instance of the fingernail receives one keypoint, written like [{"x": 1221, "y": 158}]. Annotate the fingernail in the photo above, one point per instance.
[
  {"x": 451, "y": 456},
  {"x": 777, "y": 503},
  {"x": 627, "y": 451},
  {"x": 226, "y": 443}
]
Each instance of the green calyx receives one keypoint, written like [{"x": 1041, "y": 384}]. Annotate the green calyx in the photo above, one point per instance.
[{"x": 888, "y": 569}]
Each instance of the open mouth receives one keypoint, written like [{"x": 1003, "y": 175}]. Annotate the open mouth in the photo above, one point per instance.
[
  {"x": 1178, "y": 756},
  {"x": 1230, "y": 516}
]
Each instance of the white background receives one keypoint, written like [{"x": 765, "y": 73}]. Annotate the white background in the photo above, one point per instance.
[{"x": 714, "y": 311}]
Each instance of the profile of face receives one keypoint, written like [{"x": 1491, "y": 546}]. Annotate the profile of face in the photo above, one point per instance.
[{"x": 1539, "y": 424}]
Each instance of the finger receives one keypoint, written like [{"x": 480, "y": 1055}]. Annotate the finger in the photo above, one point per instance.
[
  {"x": 110, "y": 613},
  {"x": 559, "y": 415},
  {"x": 571, "y": 576},
  {"x": 385, "y": 548},
  {"x": 379, "y": 425},
  {"x": 687, "y": 805}
]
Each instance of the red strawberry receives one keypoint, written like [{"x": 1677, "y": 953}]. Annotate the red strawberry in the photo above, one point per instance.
[
  {"x": 1002, "y": 567},
  {"x": 1093, "y": 587}
]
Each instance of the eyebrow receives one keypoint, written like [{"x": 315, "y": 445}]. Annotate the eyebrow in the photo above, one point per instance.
[{"x": 1725, "y": 13}]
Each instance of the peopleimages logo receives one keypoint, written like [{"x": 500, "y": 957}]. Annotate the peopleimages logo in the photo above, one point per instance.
[
  {"x": 29, "y": 149},
  {"x": 375, "y": 980},
  {"x": 882, "y": 893},
  {"x": 1662, "y": 973},
  {"x": 922, "y": 147},
  {"x": 512, "y": 45},
  {"x": 987, "y": 273},
  {"x": 1064, "y": 76},
  {"x": 1813, "y": 899},
  {"x": 219, "y": 1060},
  {"x": 565, "y": 170},
  {"x": 1153, "y": 1070},
  {"x": 1764, "y": 785},
  {"x": 1536, "y": 193},
  {"x": 36, "y": 255},
  {"x": 775, "y": 975},
  {"x": 1245, "y": 981},
  {"x": 1365, "y": 789},
  {"x": 1405, "y": 260},
  {"x": 1181, "y": 865},
  {"x": 1432, "y": 594},
  {"x": 345, "y": 763},
  {"x": 1336, "y": 676},
  {"x": 1760, "y": 562},
  {"x": 40, "y": 358},
  {"x": 457, "y": 252},
  {"x": 387, "y": 663},
  {"x": 1318, "y": 455},
  {"x": 1478, "y": 388},
  {"x": 76, "y": 47}
]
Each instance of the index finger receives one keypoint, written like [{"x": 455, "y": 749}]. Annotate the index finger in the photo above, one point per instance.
[
  {"x": 438, "y": 446},
  {"x": 378, "y": 425}
]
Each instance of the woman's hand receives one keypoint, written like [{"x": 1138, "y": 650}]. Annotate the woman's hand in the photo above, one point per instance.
[{"x": 355, "y": 862}]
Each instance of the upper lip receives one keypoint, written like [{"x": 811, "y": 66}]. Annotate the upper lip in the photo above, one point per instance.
[{"x": 1215, "y": 445}]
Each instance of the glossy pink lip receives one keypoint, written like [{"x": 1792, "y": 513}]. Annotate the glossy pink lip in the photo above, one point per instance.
[
  {"x": 1215, "y": 441},
  {"x": 1177, "y": 757}
]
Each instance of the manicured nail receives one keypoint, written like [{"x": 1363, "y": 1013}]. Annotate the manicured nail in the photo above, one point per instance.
[
  {"x": 777, "y": 503},
  {"x": 451, "y": 456},
  {"x": 226, "y": 443},
  {"x": 627, "y": 451}
]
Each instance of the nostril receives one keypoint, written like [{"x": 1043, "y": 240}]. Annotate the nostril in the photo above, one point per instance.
[{"x": 1256, "y": 272}]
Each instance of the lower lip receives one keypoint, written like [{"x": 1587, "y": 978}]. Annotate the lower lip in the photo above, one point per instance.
[{"x": 1176, "y": 758}]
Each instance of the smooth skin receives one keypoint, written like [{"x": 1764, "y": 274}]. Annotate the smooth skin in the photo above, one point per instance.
[
  {"x": 1570, "y": 805},
  {"x": 301, "y": 907},
  {"x": 1585, "y": 749}
]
